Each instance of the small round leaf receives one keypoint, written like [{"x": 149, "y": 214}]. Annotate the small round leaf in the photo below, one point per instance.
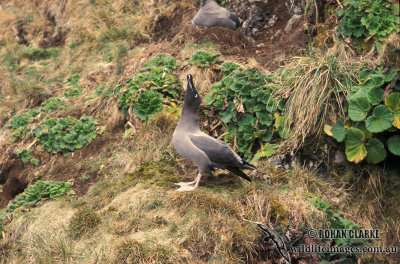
[
  {"x": 394, "y": 144},
  {"x": 393, "y": 104},
  {"x": 338, "y": 131},
  {"x": 376, "y": 151},
  {"x": 375, "y": 95},
  {"x": 359, "y": 108},
  {"x": 355, "y": 149},
  {"x": 380, "y": 120}
]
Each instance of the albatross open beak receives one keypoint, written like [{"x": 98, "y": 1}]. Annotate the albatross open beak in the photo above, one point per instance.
[{"x": 190, "y": 82}]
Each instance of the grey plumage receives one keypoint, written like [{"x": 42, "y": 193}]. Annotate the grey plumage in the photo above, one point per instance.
[
  {"x": 211, "y": 14},
  {"x": 205, "y": 151}
]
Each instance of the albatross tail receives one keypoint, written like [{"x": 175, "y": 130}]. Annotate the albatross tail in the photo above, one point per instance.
[
  {"x": 239, "y": 173},
  {"x": 248, "y": 166}
]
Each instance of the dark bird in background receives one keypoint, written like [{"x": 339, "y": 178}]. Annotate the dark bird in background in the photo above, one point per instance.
[
  {"x": 206, "y": 152},
  {"x": 211, "y": 15}
]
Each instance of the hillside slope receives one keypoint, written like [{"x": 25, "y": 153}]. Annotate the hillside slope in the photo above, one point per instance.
[{"x": 87, "y": 176}]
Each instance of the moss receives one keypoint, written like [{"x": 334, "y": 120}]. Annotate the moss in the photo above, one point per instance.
[
  {"x": 162, "y": 172},
  {"x": 153, "y": 205},
  {"x": 278, "y": 213}
]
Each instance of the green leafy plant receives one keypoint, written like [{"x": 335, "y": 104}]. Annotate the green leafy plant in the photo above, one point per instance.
[
  {"x": 154, "y": 79},
  {"x": 25, "y": 156},
  {"x": 52, "y": 104},
  {"x": 246, "y": 107},
  {"x": 67, "y": 134},
  {"x": 39, "y": 190},
  {"x": 99, "y": 90},
  {"x": 377, "y": 18},
  {"x": 228, "y": 67},
  {"x": 204, "y": 59},
  {"x": 19, "y": 124},
  {"x": 336, "y": 221},
  {"x": 371, "y": 119},
  {"x": 75, "y": 89},
  {"x": 149, "y": 104}
]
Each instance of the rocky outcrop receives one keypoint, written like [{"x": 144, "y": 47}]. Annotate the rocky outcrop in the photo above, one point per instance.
[{"x": 258, "y": 15}]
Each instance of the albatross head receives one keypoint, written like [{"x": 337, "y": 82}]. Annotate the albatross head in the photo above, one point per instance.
[{"x": 192, "y": 98}]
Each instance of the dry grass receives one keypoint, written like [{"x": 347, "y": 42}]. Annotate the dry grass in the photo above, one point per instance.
[{"x": 315, "y": 86}]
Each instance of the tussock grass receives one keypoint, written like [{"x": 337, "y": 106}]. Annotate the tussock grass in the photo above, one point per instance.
[
  {"x": 83, "y": 221},
  {"x": 315, "y": 86},
  {"x": 132, "y": 251}
]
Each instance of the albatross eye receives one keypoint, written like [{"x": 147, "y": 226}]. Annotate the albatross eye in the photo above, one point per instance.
[{"x": 195, "y": 96}]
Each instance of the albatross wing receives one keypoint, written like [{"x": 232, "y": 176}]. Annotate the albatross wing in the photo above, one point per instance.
[{"x": 220, "y": 154}]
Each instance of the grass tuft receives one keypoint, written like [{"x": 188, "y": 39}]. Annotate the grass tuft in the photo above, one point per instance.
[
  {"x": 83, "y": 221},
  {"x": 315, "y": 87}
]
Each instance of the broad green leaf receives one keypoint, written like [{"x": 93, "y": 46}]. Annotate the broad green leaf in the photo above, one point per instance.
[
  {"x": 355, "y": 149},
  {"x": 376, "y": 151},
  {"x": 377, "y": 79},
  {"x": 375, "y": 95},
  {"x": 279, "y": 120},
  {"x": 364, "y": 75},
  {"x": 393, "y": 104},
  {"x": 264, "y": 118},
  {"x": 359, "y": 108},
  {"x": 267, "y": 151},
  {"x": 226, "y": 116},
  {"x": 380, "y": 120},
  {"x": 338, "y": 130},
  {"x": 394, "y": 144}
]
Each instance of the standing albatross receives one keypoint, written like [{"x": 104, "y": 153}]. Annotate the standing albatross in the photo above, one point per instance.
[
  {"x": 211, "y": 15},
  {"x": 204, "y": 151}
]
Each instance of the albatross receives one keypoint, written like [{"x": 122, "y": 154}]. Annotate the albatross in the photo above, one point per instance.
[
  {"x": 211, "y": 14},
  {"x": 206, "y": 152}
]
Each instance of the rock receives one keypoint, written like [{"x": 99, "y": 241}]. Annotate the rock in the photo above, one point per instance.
[
  {"x": 292, "y": 21},
  {"x": 254, "y": 14},
  {"x": 296, "y": 7},
  {"x": 272, "y": 20},
  {"x": 276, "y": 161},
  {"x": 339, "y": 157}
]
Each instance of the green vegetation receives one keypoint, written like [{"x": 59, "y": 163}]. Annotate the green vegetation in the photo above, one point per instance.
[
  {"x": 32, "y": 54},
  {"x": 19, "y": 124},
  {"x": 338, "y": 223},
  {"x": 148, "y": 105},
  {"x": 247, "y": 109},
  {"x": 371, "y": 120},
  {"x": 39, "y": 190},
  {"x": 52, "y": 104},
  {"x": 154, "y": 84},
  {"x": 364, "y": 18},
  {"x": 25, "y": 156},
  {"x": 67, "y": 134},
  {"x": 99, "y": 91},
  {"x": 204, "y": 59},
  {"x": 75, "y": 89}
]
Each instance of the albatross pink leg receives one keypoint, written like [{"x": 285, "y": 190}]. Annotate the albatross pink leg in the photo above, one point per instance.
[{"x": 188, "y": 186}]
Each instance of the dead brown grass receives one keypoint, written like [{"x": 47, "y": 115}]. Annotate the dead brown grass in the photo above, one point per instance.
[{"x": 309, "y": 83}]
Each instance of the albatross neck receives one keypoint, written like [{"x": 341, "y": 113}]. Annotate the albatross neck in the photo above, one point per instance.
[{"x": 189, "y": 118}]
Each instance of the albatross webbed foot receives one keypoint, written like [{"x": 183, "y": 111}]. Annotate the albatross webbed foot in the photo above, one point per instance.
[
  {"x": 181, "y": 184},
  {"x": 187, "y": 186}
]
